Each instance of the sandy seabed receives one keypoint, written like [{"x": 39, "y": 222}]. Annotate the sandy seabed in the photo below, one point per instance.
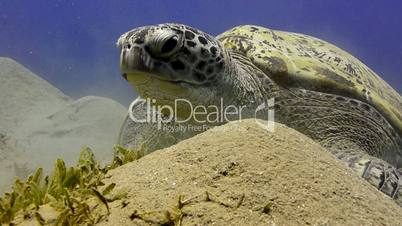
[{"x": 247, "y": 176}]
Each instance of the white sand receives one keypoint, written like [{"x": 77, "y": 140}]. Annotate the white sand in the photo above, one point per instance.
[
  {"x": 25, "y": 96},
  {"x": 301, "y": 182},
  {"x": 42, "y": 124}
]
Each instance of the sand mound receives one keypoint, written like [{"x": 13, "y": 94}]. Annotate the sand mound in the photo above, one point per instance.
[
  {"x": 89, "y": 121},
  {"x": 42, "y": 124},
  {"x": 252, "y": 177},
  {"x": 25, "y": 96}
]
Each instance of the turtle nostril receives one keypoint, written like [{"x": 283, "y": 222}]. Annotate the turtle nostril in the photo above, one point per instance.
[
  {"x": 138, "y": 41},
  {"x": 169, "y": 45},
  {"x": 124, "y": 76}
]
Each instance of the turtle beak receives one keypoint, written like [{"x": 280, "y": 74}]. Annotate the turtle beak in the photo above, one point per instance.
[
  {"x": 131, "y": 60},
  {"x": 134, "y": 66}
]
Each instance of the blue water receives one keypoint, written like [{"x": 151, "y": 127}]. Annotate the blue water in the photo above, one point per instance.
[{"x": 72, "y": 43}]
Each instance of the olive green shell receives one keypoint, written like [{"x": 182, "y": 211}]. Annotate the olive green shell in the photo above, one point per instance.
[{"x": 297, "y": 60}]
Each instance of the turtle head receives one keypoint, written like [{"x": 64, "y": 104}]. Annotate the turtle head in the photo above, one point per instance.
[{"x": 171, "y": 61}]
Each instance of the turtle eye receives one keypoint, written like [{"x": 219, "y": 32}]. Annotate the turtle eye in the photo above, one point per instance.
[
  {"x": 165, "y": 44},
  {"x": 169, "y": 45}
]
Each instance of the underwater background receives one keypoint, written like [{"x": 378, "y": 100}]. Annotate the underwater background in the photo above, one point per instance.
[
  {"x": 71, "y": 133},
  {"x": 71, "y": 44}
]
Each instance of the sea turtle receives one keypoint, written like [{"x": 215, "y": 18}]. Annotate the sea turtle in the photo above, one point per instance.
[{"x": 315, "y": 87}]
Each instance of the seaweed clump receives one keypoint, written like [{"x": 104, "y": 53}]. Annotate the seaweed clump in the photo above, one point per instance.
[{"x": 72, "y": 193}]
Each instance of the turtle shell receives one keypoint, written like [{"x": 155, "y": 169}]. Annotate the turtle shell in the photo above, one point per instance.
[{"x": 301, "y": 61}]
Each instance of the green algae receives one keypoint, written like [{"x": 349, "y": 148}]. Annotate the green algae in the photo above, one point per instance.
[{"x": 73, "y": 192}]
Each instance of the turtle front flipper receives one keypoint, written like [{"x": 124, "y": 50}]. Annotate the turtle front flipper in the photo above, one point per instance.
[
  {"x": 351, "y": 130},
  {"x": 385, "y": 177}
]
